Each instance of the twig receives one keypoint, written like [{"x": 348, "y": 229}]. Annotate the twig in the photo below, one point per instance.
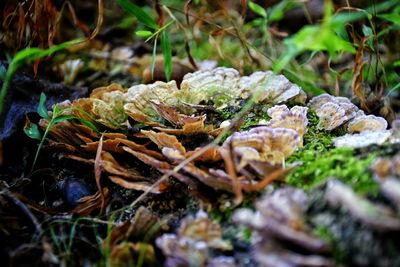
[
  {"x": 10, "y": 196},
  {"x": 97, "y": 172}
]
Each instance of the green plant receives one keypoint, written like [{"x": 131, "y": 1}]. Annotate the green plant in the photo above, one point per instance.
[
  {"x": 58, "y": 115},
  {"x": 27, "y": 55},
  {"x": 153, "y": 35},
  {"x": 330, "y": 35},
  {"x": 315, "y": 38}
]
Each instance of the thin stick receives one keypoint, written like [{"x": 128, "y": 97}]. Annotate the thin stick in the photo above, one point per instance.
[{"x": 10, "y": 196}]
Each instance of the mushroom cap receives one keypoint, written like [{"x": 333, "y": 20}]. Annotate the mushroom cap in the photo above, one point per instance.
[
  {"x": 331, "y": 116},
  {"x": 263, "y": 143},
  {"x": 277, "y": 111},
  {"x": 316, "y": 102},
  {"x": 332, "y": 111},
  {"x": 363, "y": 139},
  {"x": 269, "y": 88},
  {"x": 367, "y": 123}
]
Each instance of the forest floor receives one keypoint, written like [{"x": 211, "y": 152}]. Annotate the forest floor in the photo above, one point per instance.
[{"x": 256, "y": 133}]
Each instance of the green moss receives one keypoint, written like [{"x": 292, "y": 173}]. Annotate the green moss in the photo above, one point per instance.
[
  {"x": 256, "y": 113},
  {"x": 321, "y": 160},
  {"x": 315, "y": 139}
]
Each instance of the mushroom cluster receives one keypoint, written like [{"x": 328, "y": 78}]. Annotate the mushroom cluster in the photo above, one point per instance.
[
  {"x": 332, "y": 111},
  {"x": 281, "y": 235},
  {"x": 151, "y": 124},
  {"x": 270, "y": 146},
  {"x": 157, "y": 127},
  {"x": 362, "y": 130},
  {"x": 294, "y": 118},
  {"x": 194, "y": 244},
  {"x": 292, "y": 228}
]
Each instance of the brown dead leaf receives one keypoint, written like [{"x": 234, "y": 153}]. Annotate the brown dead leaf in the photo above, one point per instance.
[
  {"x": 139, "y": 186},
  {"x": 211, "y": 154},
  {"x": 191, "y": 126},
  {"x": 90, "y": 203},
  {"x": 165, "y": 140},
  {"x": 114, "y": 135},
  {"x": 60, "y": 147},
  {"x": 83, "y": 129},
  {"x": 108, "y": 145},
  {"x": 217, "y": 183},
  {"x": 169, "y": 113},
  {"x": 97, "y": 172},
  {"x": 85, "y": 104},
  {"x": 80, "y": 159},
  {"x": 357, "y": 83},
  {"x": 194, "y": 125},
  {"x": 158, "y": 164},
  {"x": 84, "y": 139},
  {"x": 142, "y": 118},
  {"x": 99, "y": 92},
  {"x": 111, "y": 166},
  {"x": 140, "y": 148}
]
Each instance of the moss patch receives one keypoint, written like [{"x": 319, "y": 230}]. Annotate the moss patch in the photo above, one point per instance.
[
  {"x": 252, "y": 118},
  {"x": 321, "y": 161},
  {"x": 338, "y": 162}
]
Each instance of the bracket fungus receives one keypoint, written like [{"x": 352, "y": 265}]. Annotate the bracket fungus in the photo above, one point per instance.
[
  {"x": 292, "y": 227},
  {"x": 283, "y": 237},
  {"x": 295, "y": 118},
  {"x": 224, "y": 86},
  {"x": 332, "y": 111},
  {"x": 194, "y": 242},
  {"x": 366, "y": 123},
  {"x": 168, "y": 133},
  {"x": 363, "y": 130},
  {"x": 263, "y": 144},
  {"x": 270, "y": 88},
  {"x": 219, "y": 85},
  {"x": 362, "y": 139}
]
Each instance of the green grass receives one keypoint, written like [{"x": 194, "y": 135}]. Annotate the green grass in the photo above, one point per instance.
[{"x": 27, "y": 55}]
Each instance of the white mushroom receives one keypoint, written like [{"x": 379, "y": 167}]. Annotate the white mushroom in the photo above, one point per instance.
[{"x": 366, "y": 123}]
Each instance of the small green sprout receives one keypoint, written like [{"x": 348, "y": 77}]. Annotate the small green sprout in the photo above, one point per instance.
[{"x": 59, "y": 115}]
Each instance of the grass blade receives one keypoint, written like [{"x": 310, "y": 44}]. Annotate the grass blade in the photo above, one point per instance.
[
  {"x": 167, "y": 52},
  {"x": 63, "y": 118},
  {"x": 136, "y": 11},
  {"x": 28, "y": 54},
  {"x": 259, "y": 10},
  {"x": 153, "y": 59}
]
